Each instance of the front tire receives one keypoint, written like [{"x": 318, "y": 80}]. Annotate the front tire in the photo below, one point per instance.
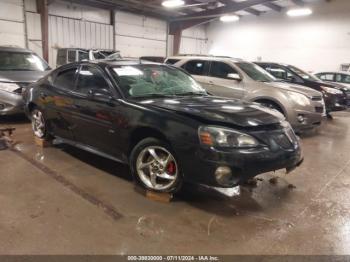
[
  {"x": 155, "y": 167},
  {"x": 271, "y": 105}
]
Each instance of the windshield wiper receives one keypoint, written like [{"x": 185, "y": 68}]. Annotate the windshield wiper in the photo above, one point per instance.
[
  {"x": 191, "y": 94},
  {"x": 153, "y": 96}
]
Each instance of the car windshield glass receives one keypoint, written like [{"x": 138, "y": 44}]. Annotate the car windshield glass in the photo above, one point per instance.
[
  {"x": 114, "y": 56},
  {"x": 10, "y": 61},
  {"x": 345, "y": 79},
  {"x": 256, "y": 72},
  {"x": 155, "y": 80},
  {"x": 303, "y": 74}
]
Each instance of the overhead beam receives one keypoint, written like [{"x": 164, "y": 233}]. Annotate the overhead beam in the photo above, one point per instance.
[
  {"x": 248, "y": 10},
  {"x": 274, "y": 7},
  {"x": 253, "y": 11},
  {"x": 174, "y": 26},
  {"x": 228, "y": 8},
  {"x": 121, "y": 5}
]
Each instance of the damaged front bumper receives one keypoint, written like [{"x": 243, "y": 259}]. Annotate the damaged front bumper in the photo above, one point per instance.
[
  {"x": 219, "y": 168},
  {"x": 11, "y": 103}
]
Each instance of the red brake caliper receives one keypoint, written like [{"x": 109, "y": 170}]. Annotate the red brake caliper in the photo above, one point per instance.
[{"x": 171, "y": 169}]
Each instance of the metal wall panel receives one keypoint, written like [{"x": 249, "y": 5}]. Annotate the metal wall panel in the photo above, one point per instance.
[
  {"x": 67, "y": 32},
  {"x": 34, "y": 37},
  {"x": 12, "y": 31},
  {"x": 194, "y": 41},
  {"x": 138, "y": 35},
  {"x": 80, "y": 12}
]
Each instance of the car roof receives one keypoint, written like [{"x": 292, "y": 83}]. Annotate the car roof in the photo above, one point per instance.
[
  {"x": 270, "y": 63},
  {"x": 206, "y": 57},
  {"x": 84, "y": 49},
  {"x": 16, "y": 49},
  {"x": 119, "y": 62},
  {"x": 334, "y": 72}
]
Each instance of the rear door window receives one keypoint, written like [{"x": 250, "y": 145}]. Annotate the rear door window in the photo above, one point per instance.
[
  {"x": 327, "y": 77},
  {"x": 196, "y": 67},
  {"x": 66, "y": 79},
  {"x": 221, "y": 70}
]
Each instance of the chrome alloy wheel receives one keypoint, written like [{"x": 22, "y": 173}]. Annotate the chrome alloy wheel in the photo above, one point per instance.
[
  {"x": 38, "y": 124},
  {"x": 157, "y": 168}
]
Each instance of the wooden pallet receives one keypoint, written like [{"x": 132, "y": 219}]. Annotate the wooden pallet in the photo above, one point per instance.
[
  {"x": 42, "y": 142},
  {"x": 155, "y": 196}
]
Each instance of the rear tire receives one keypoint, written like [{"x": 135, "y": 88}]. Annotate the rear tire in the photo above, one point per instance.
[{"x": 155, "y": 167}]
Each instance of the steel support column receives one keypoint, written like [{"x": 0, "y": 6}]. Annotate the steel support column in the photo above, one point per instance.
[{"x": 44, "y": 14}]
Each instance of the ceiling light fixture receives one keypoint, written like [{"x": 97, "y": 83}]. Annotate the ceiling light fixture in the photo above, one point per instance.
[
  {"x": 299, "y": 12},
  {"x": 173, "y": 3},
  {"x": 229, "y": 18}
]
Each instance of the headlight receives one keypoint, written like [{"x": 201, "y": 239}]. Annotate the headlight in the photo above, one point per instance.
[
  {"x": 9, "y": 87},
  {"x": 300, "y": 99},
  {"x": 224, "y": 137},
  {"x": 330, "y": 90}
]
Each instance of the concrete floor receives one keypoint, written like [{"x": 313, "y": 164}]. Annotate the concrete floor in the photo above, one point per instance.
[{"x": 61, "y": 200}]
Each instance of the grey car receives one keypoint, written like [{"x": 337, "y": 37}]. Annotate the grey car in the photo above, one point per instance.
[
  {"x": 228, "y": 77},
  {"x": 18, "y": 68}
]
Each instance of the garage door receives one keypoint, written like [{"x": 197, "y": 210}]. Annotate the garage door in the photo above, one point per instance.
[{"x": 68, "y": 32}]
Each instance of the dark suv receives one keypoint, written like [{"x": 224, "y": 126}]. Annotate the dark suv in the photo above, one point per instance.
[
  {"x": 335, "y": 99},
  {"x": 159, "y": 120}
]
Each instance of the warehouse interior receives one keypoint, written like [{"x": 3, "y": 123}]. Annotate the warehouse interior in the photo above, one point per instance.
[{"x": 57, "y": 199}]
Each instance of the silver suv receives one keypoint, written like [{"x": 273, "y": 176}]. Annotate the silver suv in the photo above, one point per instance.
[{"x": 228, "y": 77}]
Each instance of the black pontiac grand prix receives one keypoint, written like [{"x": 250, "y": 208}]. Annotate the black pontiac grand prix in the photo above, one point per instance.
[{"x": 157, "y": 119}]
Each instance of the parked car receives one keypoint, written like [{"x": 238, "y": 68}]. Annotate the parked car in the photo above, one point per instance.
[
  {"x": 334, "y": 97},
  {"x": 156, "y": 59},
  {"x": 18, "y": 68},
  {"x": 70, "y": 55},
  {"x": 235, "y": 78},
  {"x": 342, "y": 79},
  {"x": 160, "y": 121}
]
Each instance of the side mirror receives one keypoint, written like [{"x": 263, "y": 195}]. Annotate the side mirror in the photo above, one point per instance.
[
  {"x": 100, "y": 95},
  {"x": 236, "y": 77}
]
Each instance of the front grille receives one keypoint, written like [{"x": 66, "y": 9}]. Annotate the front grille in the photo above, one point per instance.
[
  {"x": 282, "y": 140},
  {"x": 319, "y": 109},
  {"x": 316, "y": 98}
]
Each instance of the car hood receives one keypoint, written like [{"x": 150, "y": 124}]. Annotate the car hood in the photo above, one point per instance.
[
  {"x": 295, "y": 88},
  {"x": 324, "y": 83},
  {"x": 21, "y": 76},
  {"x": 340, "y": 86},
  {"x": 211, "y": 109}
]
